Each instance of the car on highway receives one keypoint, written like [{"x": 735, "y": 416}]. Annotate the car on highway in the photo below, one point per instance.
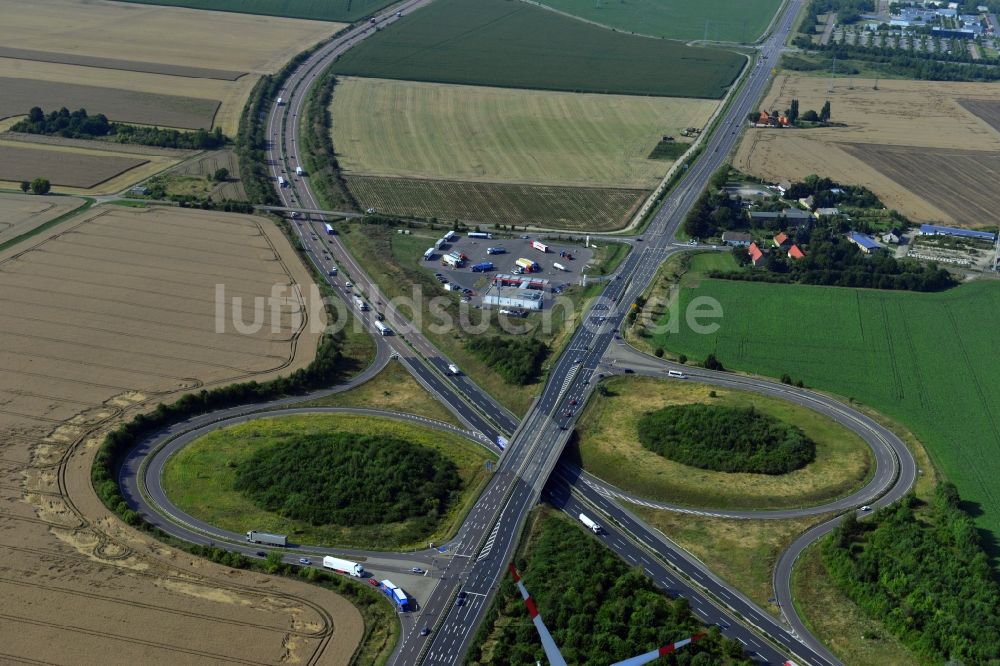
[
  {"x": 373, "y": 581},
  {"x": 573, "y": 401},
  {"x": 348, "y": 284},
  {"x": 417, "y": 570},
  {"x": 426, "y": 631},
  {"x": 866, "y": 508},
  {"x": 261, "y": 553},
  {"x": 305, "y": 560}
]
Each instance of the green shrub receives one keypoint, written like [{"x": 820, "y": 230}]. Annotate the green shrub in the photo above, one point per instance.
[{"x": 517, "y": 360}]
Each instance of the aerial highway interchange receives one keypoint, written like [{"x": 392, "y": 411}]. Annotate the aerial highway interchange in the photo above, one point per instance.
[{"x": 529, "y": 469}]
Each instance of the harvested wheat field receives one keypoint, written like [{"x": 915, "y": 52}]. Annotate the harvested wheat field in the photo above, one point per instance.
[
  {"x": 496, "y": 135},
  {"x": 881, "y": 147},
  {"x": 21, "y": 213},
  {"x": 81, "y": 167},
  {"x": 174, "y": 53},
  {"x": 105, "y": 314}
]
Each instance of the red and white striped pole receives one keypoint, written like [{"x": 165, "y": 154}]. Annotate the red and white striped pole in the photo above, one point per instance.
[
  {"x": 548, "y": 643},
  {"x": 656, "y": 654}
]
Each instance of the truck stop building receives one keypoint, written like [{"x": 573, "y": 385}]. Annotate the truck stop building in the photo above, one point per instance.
[{"x": 513, "y": 297}]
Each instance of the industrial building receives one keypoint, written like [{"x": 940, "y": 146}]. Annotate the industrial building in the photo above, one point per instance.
[
  {"x": 867, "y": 244},
  {"x": 936, "y": 230},
  {"x": 520, "y": 281},
  {"x": 513, "y": 297}
]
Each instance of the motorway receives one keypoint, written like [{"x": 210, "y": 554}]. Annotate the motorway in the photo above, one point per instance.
[{"x": 525, "y": 473}]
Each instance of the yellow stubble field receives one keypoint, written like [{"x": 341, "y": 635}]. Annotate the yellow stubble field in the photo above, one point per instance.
[
  {"x": 902, "y": 141},
  {"x": 163, "y": 36},
  {"x": 101, "y": 316}
]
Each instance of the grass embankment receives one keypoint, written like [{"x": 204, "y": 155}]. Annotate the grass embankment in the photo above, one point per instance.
[
  {"x": 596, "y": 607},
  {"x": 320, "y": 10},
  {"x": 516, "y": 45},
  {"x": 393, "y": 389},
  {"x": 200, "y": 479},
  {"x": 715, "y": 20},
  {"x": 608, "y": 257},
  {"x": 609, "y": 447},
  {"x": 927, "y": 360},
  {"x": 391, "y": 260}
]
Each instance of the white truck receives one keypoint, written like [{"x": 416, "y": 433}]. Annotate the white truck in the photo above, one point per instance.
[
  {"x": 559, "y": 267},
  {"x": 382, "y": 328},
  {"x": 299, "y": 171},
  {"x": 343, "y": 566},
  {"x": 453, "y": 369},
  {"x": 360, "y": 303},
  {"x": 281, "y": 101},
  {"x": 591, "y": 525},
  {"x": 281, "y": 181},
  {"x": 268, "y": 539}
]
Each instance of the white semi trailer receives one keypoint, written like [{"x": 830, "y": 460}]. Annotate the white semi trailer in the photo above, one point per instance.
[
  {"x": 343, "y": 566},
  {"x": 268, "y": 539},
  {"x": 591, "y": 525}
]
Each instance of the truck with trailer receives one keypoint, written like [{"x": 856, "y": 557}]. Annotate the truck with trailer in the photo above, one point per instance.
[
  {"x": 496, "y": 250},
  {"x": 482, "y": 267},
  {"x": 438, "y": 244},
  {"x": 449, "y": 237},
  {"x": 591, "y": 525},
  {"x": 429, "y": 254},
  {"x": 343, "y": 566},
  {"x": 540, "y": 246},
  {"x": 382, "y": 328},
  {"x": 394, "y": 593},
  {"x": 559, "y": 267},
  {"x": 281, "y": 181},
  {"x": 268, "y": 539},
  {"x": 328, "y": 228},
  {"x": 479, "y": 234},
  {"x": 360, "y": 303},
  {"x": 527, "y": 265}
]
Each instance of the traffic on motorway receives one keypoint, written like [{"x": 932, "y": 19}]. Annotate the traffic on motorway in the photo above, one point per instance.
[{"x": 528, "y": 469}]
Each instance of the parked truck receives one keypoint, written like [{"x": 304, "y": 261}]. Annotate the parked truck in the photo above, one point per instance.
[
  {"x": 482, "y": 267},
  {"x": 496, "y": 250},
  {"x": 591, "y": 525},
  {"x": 268, "y": 539},
  {"x": 559, "y": 267},
  {"x": 540, "y": 246},
  {"x": 479, "y": 234},
  {"x": 343, "y": 566},
  {"x": 527, "y": 265}
]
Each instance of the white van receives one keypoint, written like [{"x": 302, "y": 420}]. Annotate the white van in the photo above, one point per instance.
[{"x": 676, "y": 373}]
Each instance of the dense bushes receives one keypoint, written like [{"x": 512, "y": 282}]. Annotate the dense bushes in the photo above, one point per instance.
[
  {"x": 350, "y": 479},
  {"x": 517, "y": 360},
  {"x": 80, "y": 125},
  {"x": 922, "y": 572},
  {"x": 598, "y": 609},
  {"x": 725, "y": 439}
]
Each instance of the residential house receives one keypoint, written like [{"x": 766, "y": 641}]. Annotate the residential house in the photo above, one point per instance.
[
  {"x": 826, "y": 212},
  {"x": 795, "y": 253},
  {"x": 782, "y": 241},
  {"x": 737, "y": 239},
  {"x": 807, "y": 202},
  {"x": 757, "y": 256}
]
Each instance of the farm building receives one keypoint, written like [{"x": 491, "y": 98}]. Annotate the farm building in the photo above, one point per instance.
[
  {"x": 826, "y": 212},
  {"x": 795, "y": 253},
  {"x": 867, "y": 244},
  {"x": 935, "y": 230},
  {"x": 757, "y": 255},
  {"x": 513, "y": 297},
  {"x": 790, "y": 215},
  {"x": 736, "y": 239},
  {"x": 890, "y": 237}
]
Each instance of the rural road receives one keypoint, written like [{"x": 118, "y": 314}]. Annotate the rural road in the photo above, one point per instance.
[{"x": 491, "y": 531}]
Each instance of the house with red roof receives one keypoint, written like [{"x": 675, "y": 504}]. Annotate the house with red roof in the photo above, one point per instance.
[
  {"x": 782, "y": 241},
  {"x": 757, "y": 256},
  {"x": 795, "y": 253}
]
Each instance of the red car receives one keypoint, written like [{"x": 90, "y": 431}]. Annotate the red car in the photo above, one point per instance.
[
  {"x": 372, "y": 581},
  {"x": 573, "y": 401}
]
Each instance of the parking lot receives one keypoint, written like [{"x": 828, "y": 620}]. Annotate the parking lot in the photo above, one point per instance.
[{"x": 475, "y": 250}]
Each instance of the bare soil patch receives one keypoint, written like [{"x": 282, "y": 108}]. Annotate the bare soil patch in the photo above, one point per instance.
[
  {"x": 897, "y": 118},
  {"x": 109, "y": 313},
  {"x": 125, "y": 105},
  {"x": 115, "y": 63},
  {"x": 69, "y": 169}
]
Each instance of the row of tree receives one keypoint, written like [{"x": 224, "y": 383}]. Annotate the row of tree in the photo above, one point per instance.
[
  {"x": 725, "y": 439},
  {"x": 517, "y": 360},
  {"x": 922, "y": 572},
  {"x": 37, "y": 186},
  {"x": 598, "y": 610},
  {"x": 80, "y": 125},
  {"x": 350, "y": 479}
]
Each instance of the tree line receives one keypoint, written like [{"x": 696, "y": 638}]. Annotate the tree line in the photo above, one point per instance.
[
  {"x": 725, "y": 439},
  {"x": 921, "y": 570},
  {"x": 81, "y": 125},
  {"x": 350, "y": 479},
  {"x": 598, "y": 610},
  {"x": 517, "y": 360}
]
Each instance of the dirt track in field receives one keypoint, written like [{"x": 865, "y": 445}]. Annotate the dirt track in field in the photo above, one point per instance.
[
  {"x": 106, "y": 314},
  {"x": 886, "y": 131}
]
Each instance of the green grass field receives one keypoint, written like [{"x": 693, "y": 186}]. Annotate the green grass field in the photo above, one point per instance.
[
  {"x": 516, "y": 45},
  {"x": 718, "y": 20},
  {"x": 926, "y": 360},
  {"x": 547, "y": 206},
  {"x": 200, "y": 478},
  {"x": 483, "y": 134},
  {"x": 608, "y": 447},
  {"x": 320, "y": 10}
]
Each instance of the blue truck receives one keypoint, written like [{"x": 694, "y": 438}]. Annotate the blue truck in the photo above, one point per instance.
[
  {"x": 482, "y": 267},
  {"x": 397, "y": 596}
]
